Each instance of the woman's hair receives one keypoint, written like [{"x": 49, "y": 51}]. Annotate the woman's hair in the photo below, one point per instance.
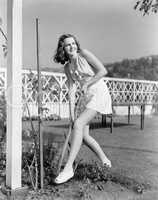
[{"x": 60, "y": 54}]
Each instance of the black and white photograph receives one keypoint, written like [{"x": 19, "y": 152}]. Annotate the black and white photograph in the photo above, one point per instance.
[{"x": 78, "y": 100}]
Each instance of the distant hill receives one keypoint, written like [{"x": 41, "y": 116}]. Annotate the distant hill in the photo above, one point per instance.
[{"x": 144, "y": 68}]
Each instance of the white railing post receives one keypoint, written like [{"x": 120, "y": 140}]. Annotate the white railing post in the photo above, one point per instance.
[{"x": 14, "y": 94}]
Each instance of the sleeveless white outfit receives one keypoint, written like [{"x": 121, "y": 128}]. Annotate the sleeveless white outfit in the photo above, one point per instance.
[{"x": 97, "y": 97}]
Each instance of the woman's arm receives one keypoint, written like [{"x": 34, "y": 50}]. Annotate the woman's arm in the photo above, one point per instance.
[
  {"x": 71, "y": 92},
  {"x": 96, "y": 64}
]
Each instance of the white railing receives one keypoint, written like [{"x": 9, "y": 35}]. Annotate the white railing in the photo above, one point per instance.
[
  {"x": 132, "y": 92},
  {"x": 55, "y": 91}
]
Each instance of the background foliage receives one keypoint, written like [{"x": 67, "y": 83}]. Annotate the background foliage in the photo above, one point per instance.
[
  {"x": 147, "y": 6},
  {"x": 142, "y": 68}
]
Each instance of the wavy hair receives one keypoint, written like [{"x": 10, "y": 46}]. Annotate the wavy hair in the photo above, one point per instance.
[{"x": 60, "y": 54}]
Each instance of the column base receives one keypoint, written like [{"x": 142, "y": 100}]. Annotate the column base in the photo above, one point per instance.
[{"x": 16, "y": 193}]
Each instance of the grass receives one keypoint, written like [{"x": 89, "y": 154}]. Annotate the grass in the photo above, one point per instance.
[{"x": 133, "y": 153}]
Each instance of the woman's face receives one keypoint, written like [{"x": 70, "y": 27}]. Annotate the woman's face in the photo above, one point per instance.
[{"x": 70, "y": 46}]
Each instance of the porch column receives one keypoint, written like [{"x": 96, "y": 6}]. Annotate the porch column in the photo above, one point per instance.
[{"x": 14, "y": 94}]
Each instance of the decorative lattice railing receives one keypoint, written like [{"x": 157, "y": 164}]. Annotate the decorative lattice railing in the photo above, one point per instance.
[
  {"x": 55, "y": 91},
  {"x": 132, "y": 92}
]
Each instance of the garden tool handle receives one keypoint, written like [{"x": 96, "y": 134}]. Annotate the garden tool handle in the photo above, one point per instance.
[{"x": 65, "y": 146}]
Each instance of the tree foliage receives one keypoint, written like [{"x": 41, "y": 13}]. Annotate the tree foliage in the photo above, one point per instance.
[
  {"x": 144, "y": 68},
  {"x": 147, "y": 6},
  {"x": 4, "y": 46}
]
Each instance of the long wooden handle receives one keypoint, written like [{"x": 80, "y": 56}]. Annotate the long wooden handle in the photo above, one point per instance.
[
  {"x": 65, "y": 147},
  {"x": 68, "y": 137}
]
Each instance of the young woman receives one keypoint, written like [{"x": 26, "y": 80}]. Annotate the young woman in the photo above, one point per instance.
[{"x": 82, "y": 66}]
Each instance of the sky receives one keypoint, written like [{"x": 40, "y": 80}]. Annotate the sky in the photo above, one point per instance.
[{"x": 112, "y": 30}]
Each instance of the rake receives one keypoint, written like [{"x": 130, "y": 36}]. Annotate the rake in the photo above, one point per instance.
[{"x": 66, "y": 143}]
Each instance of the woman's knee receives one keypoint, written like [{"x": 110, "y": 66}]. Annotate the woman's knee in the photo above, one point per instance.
[{"x": 78, "y": 124}]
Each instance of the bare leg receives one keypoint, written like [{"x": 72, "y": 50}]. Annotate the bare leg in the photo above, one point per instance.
[
  {"x": 94, "y": 146},
  {"x": 86, "y": 116},
  {"x": 77, "y": 137}
]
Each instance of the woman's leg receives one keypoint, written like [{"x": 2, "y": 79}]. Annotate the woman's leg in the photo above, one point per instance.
[
  {"x": 77, "y": 138},
  {"x": 94, "y": 146},
  {"x": 86, "y": 116}
]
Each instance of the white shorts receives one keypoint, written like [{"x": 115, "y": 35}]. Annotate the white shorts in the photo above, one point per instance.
[
  {"x": 101, "y": 99},
  {"x": 97, "y": 98}
]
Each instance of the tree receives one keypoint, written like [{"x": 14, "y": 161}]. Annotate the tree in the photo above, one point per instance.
[
  {"x": 4, "y": 46},
  {"x": 147, "y": 6}
]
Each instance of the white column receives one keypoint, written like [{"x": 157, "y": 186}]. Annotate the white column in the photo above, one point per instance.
[{"x": 14, "y": 94}]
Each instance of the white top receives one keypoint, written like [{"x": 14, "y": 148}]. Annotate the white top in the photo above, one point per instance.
[
  {"x": 82, "y": 71},
  {"x": 97, "y": 96}
]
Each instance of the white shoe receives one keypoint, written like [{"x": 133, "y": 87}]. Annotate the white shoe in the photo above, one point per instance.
[
  {"x": 107, "y": 164},
  {"x": 64, "y": 176}
]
